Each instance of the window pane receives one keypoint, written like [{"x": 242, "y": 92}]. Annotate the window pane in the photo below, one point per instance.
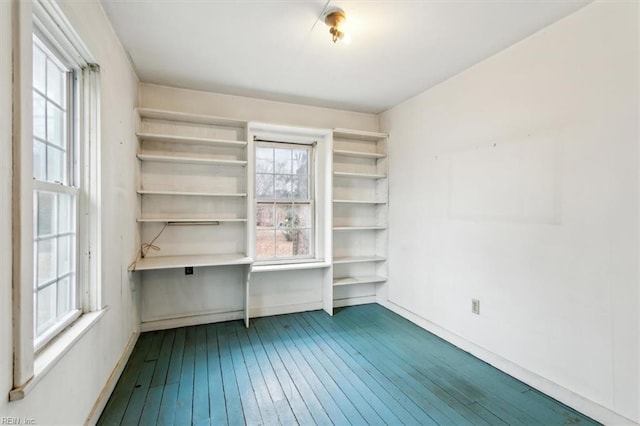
[
  {"x": 300, "y": 162},
  {"x": 39, "y": 116},
  {"x": 39, "y": 63},
  {"x": 55, "y": 165},
  {"x": 283, "y": 186},
  {"x": 264, "y": 186},
  {"x": 46, "y": 261},
  {"x": 303, "y": 213},
  {"x": 284, "y": 243},
  {"x": 300, "y": 188},
  {"x": 284, "y": 214},
  {"x": 65, "y": 255},
  {"x": 39, "y": 160},
  {"x": 46, "y": 308},
  {"x": 65, "y": 295},
  {"x": 288, "y": 221},
  {"x": 302, "y": 242},
  {"x": 282, "y": 161},
  {"x": 46, "y": 213},
  {"x": 265, "y": 242},
  {"x": 264, "y": 160},
  {"x": 55, "y": 125},
  {"x": 264, "y": 215},
  {"x": 55, "y": 83},
  {"x": 66, "y": 213}
]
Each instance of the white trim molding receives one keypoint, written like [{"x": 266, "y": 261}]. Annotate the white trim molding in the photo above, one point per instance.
[{"x": 564, "y": 395}]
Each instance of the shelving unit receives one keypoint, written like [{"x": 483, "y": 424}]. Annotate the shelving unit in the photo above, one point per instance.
[
  {"x": 360, "y": 213},
  {"x": 193, "y": 178}
]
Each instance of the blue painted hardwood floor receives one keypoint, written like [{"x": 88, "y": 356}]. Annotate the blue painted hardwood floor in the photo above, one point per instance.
[{"x": 364, "y": 365}]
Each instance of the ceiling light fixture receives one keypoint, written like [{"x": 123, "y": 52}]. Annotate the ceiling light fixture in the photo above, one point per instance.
[{"x": 335, "y": 18}]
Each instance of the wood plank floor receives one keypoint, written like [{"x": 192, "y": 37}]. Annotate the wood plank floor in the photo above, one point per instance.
[{"x": 364, "y": 365}]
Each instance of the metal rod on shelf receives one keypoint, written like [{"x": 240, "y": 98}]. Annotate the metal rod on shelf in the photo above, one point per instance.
[{"x": 210, "y": 222}]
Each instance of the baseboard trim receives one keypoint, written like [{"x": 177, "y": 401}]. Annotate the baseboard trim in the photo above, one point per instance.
[
  {"x": 211, "y": 317},
  {"x": 353, "y": 301},
  {"x": 267, "y": 311},
  {"x": 560, "y": 393},
  {"x": 108, "y": 388},
  {"x": 189, "y": 320}
]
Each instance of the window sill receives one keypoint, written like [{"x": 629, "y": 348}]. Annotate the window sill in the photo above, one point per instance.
[
  {"x": 53, "y": 352},
  {"x": 274, "y": 267}
]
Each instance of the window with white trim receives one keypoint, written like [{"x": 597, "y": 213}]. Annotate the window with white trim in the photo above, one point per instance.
[
  {"x": 55, "y": 193},
  {"x": 284, "y": 201}
]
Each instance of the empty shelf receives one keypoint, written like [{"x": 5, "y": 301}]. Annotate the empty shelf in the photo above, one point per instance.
[
  {"x": 189, "y": 160},
  {"x": 359, "y": 175},
  {"x": 358, "y": 259},
  {"x": 358, "y": 135},
  {"x": 358, "y": 202},
  {"x": 358, "y": 280},
  {"x": 185, "y": 220},
  {"x": 191, "y": 140},
  {"x": 359, "y": 228},
  {"x": 185, "y": 117},
  {"x": 358, "y": 154},
  {"x": 289, "y": 266},
  {"x": 191, "y": 194},
  {"x": 168, "y": 262}
]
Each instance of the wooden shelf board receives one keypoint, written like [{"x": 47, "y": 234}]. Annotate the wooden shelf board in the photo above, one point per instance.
[
  {"x": 359, "y": 175},
  {"x": 357, "y": 259},
  {"x": 185, "y": 220},
  {"x": 358, "y": 154},
  {"x": 359, "y": 134},
  {"x": 185, "y": 117},
  {"x": 189, "y": 160},
  {"x": 358, "y": 280},
  {"x": 359, "y": 228},
  {"x": 190, "y": 140},
  {"x": 169, "y": 262},
  {"x": 358, "y": 202},
  {"x": 191, "y": 194}
]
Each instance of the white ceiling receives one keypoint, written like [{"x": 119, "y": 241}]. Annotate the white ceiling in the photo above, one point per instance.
[{"x": 281, "y": 49}]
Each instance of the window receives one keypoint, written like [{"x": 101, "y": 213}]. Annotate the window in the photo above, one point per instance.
[
  {"x": 284, "y": 201},
  {"x": 55, "y": 194}
]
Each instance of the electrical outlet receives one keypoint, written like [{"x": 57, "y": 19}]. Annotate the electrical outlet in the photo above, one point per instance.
[
  {"x": 475, "y": 306},
  {"x": 188, "y": 270}
]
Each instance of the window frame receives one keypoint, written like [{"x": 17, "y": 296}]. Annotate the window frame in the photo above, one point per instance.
[
  {"x": 47, "y": 20},
  {"x": 275, "y": 201},
  {"x": 71, "y": 186},
  {"x": 323, "y": 196}
]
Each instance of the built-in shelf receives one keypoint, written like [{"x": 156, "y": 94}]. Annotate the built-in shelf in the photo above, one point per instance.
[
  {"x": 191, "y": 194},
  {"x": 357, "y": 259},
  {"x": 186, "y": 220},
  {"x": 189, "y": 160},
  {"x": 358, "y": 280},
  {"x": 185, "y": 117},
  {"x": 359, "y": 202},
  {"x": 358, "y": 154},
  {"x": 358, "y": 228},
  {"x": 168, "y": 262},
  {"x": 359, "y": 175},
  {"x": 361, "y": 190},
  {"x": 191, "y": 140},
  {"x": 361, "y": 135},
  {"x": 289, "y": 267}
]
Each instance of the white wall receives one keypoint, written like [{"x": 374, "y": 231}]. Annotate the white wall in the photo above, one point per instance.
[
  {"x": 516, "y": 182},
  {"x": 68, "y": 392},
  {"x": 215, "y": 294}
]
